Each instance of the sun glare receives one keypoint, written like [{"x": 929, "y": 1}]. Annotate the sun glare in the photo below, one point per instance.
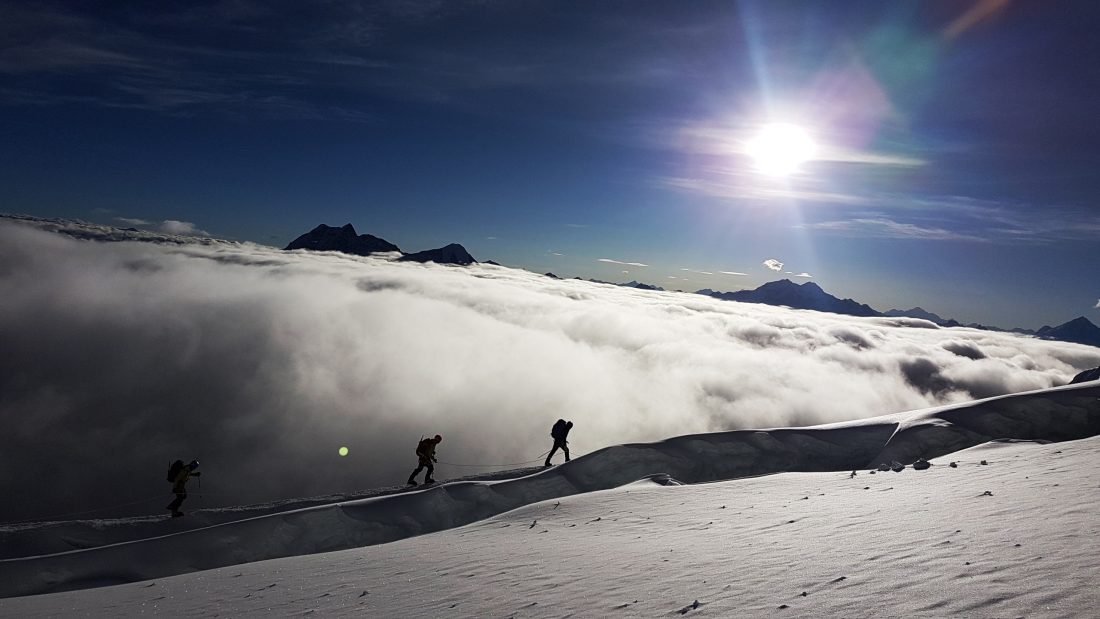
[{"x": 779, "y": 149}]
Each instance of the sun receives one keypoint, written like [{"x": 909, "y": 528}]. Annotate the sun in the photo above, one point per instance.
[{"x": 779, "y": 149}]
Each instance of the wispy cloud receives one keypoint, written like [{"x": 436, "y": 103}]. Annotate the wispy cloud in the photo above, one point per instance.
[
  {"x": 804, "y": 274},
  {"x": 133, "y": 221},
  {"x": 1097, "y": 306},
  {"x": 732, "y": 273},
  {"x": 888, "y": 215},
  {"x": 773, "y": 264},
  {"x": 699, "y": 272},
  {"x": 888, "y": 228},
  {"x": 629, "y": 264},
  {"x": 734, "y": 186},
  {"x": 576, "y": 225},
  {"x": 326, "y": 60}
]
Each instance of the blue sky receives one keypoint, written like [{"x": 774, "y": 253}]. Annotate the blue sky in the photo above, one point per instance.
[{"x": 957, "y": 141}]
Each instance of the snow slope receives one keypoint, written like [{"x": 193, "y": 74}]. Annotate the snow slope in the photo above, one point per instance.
[
  {"x": 1016, "y": 537},
  {"x": 1054, "y": 414},
  {"x": 25, "y": 539}
]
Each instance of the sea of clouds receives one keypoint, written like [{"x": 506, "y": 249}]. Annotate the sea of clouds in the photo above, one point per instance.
[{"x": 121, "y": 356}]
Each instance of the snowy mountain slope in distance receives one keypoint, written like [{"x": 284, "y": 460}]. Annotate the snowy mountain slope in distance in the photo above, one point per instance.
[
  {"x": 1010, "y": 531},
  {"x": 1061, "y": 413}
]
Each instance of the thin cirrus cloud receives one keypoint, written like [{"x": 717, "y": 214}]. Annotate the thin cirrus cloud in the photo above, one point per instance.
[
  {"x": 732, "y": 273},
  {"x": 803, "y": 274},
  {"x": 629, "y": 264},
  {"x": 888, "y": 228},
  {"x": 697, "y": 271},
  {"x": 262, "y": 363},
  {"x": 773, "y": 264}
]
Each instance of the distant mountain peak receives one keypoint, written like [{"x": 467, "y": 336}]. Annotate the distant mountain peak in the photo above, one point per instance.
[
  {"x": 1080, "y": 330},
  {"x": 343, "y": 239},
  {"x": 448, "y": 254},
  {"x": 923, "y": 314},
  {"x": 808, "y": 295}
]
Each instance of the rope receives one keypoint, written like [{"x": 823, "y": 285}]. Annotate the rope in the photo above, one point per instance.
[
  {"x": 502, "y": 464},
  {"x": 201, "y": 494},
  {"x": 87, "y": 511}
]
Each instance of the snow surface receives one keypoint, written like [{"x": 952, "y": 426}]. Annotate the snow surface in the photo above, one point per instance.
[{"x": 1014, "y": 537}]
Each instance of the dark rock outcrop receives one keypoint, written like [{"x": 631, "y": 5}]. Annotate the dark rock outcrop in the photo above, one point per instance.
[{"x": 1086, "y": 376}]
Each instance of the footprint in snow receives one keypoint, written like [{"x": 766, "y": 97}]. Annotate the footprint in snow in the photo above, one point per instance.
[{"x": 694, "y": 605}]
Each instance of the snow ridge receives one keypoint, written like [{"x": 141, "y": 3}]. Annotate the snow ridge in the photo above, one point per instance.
[{"x": 1061, "y": 413}]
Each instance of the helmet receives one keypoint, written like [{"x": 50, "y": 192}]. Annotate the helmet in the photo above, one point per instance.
[
  {"x": 194, "y": 465},
  {"x": 438, "y": 438}
]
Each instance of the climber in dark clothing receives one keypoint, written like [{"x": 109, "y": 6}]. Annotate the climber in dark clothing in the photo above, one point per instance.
[
  {"x": 178, "y": 474},
  {"x": 425, "y": 451},
  {"x": 560, "y": 434}
]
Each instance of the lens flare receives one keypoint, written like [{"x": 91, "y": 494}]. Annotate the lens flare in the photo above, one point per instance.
[
  {"x": 779, "y": 149},
  {"x": 343, "y": 451}
]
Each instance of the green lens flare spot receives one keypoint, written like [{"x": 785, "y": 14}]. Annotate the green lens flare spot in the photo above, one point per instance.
[{"x": 343, "y": 451}]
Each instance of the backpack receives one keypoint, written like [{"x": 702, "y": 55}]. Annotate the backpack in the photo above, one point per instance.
[
  {"x": 558, "y": 431},
  {"x": 424, "y": 446},
  {"x": 174, "y": 470}
]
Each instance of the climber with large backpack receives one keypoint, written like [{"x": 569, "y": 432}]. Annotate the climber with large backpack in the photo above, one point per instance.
[
  {"x": 425, "y": 452},
  {"x": 560, "y": 434},
  {"x": 178, "y": 474}
]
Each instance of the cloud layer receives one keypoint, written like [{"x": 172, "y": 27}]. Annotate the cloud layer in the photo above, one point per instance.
[{"x": 262, "y": 363}]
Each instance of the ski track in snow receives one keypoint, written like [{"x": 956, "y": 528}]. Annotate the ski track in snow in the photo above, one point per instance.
[{"x": 1055, "y": 414}]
